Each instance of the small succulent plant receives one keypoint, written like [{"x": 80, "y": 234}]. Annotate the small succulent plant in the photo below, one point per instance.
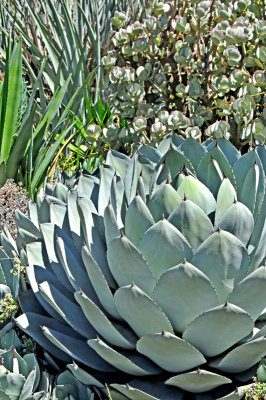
[
  {"x": 195, "y": 68},
  {"x": 153, "y": 272}
]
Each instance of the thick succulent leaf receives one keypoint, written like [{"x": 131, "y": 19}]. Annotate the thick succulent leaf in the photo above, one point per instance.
[
  {"x": 250, "y": 181},
  {"x": 77, "y": 349},
  {"x": 239, "y": 221},
  {"x": 138, "y": 220},
  {"x": 130, "y": 364},
  {"x": 184, "y": 292},
  {"x": 211, "y": 169},
  {"x": 32, "y": 363},
  {"x": 175, "y": 161},
  {"x": 6, "y": 277},
  {"x": 107, "y": 174},
  {"x": 139, "y": 165},
  {"x": 42, "y": 301},
  {"x": 229, "y": 321},
  {"x": 192, "y": 222},
  {"x": 142, "y": 390},
  {"x": 12, "y": 384},
  {"x": 237, "y": 394},
  {"x": 67, "y": 309},
  {"x": 127, "y": 264},
  {"x": 196, "y": 191},
  {"x": 150, "y": 153},
  {"x": 27, "y": 389},
  {"x": 192, "y": 150},
  {"x": 163, "y": 202},
  {"x": 120, "y": 162},
  {"x": 34, "y": 253},
  {"x": 110, "y": 224},
  {"x": 170, "y": 140},
  {"x": 257, "y": 256},
  {"x": 198, "y": 381},
  {"x": 88, "y": 185},
  {"x": 26, "y": 223},
  {"x": 225, "y": 198},
  {"x": 31, "y": 322},
  {"x": 140, "y": 312},
  {"x": 170, "y": 352},
  {"x": 229, "y": 150},
  {"x": 74, "y": 219},
  {"x": 49, "y": 232},
  {"x": 163, "y": 246},
  {"x": 242, "y": 357},
  {"x": 224, "y": 259},
  {"x": 74, "y": 269},
  {"x": 84, "y": 377},
  {"x": 4, "y": 396},
  {"x": 58, "y": 213},
  {"x": 118, "y": 337},
  {"x": 99, "y": 283},
  {"x": 249, "y": 294}
]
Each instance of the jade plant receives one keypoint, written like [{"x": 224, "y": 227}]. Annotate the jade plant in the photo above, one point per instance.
[
  {"x": 152, "y": 274},
  {"x": 193, "y": 67}
]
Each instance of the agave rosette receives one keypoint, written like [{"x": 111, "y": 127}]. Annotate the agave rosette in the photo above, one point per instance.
[{"x": 153, "y": 273}]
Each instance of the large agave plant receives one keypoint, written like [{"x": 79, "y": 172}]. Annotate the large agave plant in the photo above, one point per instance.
[{"x": 153, "y": 274}]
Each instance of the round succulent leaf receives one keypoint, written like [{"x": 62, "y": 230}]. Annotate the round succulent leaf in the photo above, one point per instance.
[
  {"x": 138, "y": 220},
  {"x": 198, "y": 381},
  {"x": 239, "y": 221},
  {"x": 228, "y": 321},
  {"x": 224, "y": 259},
  {"x": 118, "y": 337},
  {"x": 249, "y": 294},
  {"x": 140, "y": 311},
  {"x": 163, "y": 202},
  {"x": 242, "y": 357},
  {"x": 127, "y": 264},
  {"x": 225, "y": 198},
  {"x": 163, "y": 247},
  {"x": 170, "y": 352},
  {"x": 184, "y": 292},
  {"x": 192, "y": 150},
  {"x": 146, "y": 390},
  {"x": 196, "y": 191},
  {"x": 76, "y": 349},
  {"x": 192, "y": 222},
  {"x": 99, "y": 283},
  {"x": 128, "y": 363}
]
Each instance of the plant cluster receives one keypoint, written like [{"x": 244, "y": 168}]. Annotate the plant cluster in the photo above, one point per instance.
[
  {"x": 196, "y": 68},
  {"x": 122, "y": 276}
]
